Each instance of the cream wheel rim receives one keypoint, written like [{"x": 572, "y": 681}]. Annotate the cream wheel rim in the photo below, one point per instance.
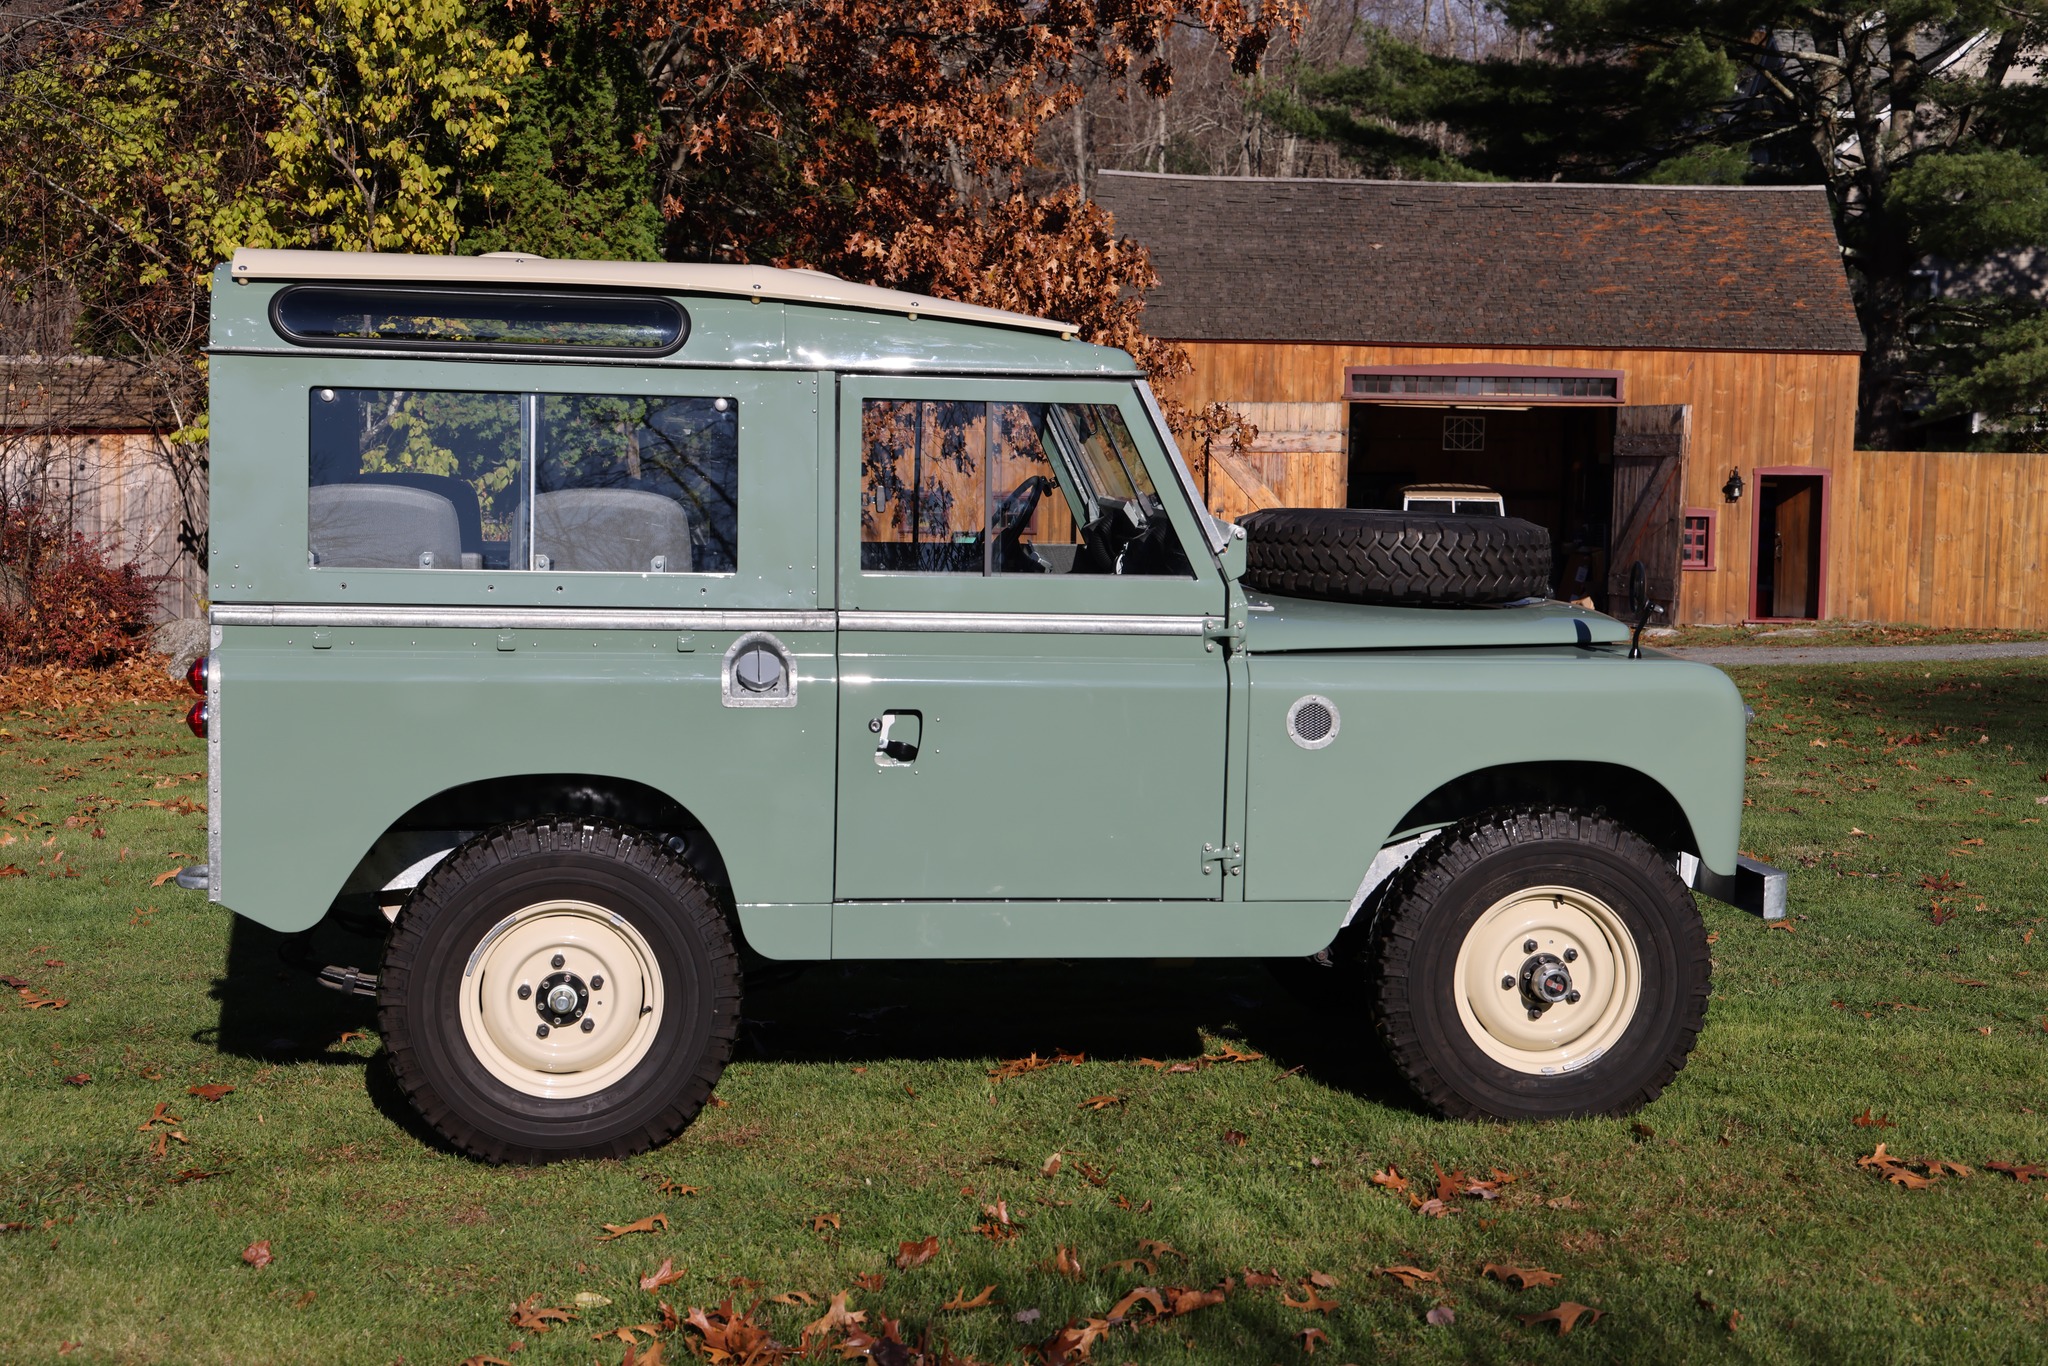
[
  {"x": 577, "y": 962},
  {"x": 1580, "y": 944}
]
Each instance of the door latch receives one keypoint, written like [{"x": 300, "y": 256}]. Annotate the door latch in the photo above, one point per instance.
[
  {"x": 897, "y": 737},
  {"x": 1229, "y": 861}
]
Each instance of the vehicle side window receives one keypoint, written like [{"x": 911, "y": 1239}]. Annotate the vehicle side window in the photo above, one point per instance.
[
  {"x": 426, "y": 479},
  {"x": 1009, "y": 488},
  {"x": 637, "y": 485}
]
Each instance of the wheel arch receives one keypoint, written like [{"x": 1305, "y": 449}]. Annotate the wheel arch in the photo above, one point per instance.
[{"x": 1627, "y": 794}]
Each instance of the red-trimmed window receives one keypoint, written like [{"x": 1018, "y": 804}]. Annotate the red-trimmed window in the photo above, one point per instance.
[{"x": 1696, "y": 543}]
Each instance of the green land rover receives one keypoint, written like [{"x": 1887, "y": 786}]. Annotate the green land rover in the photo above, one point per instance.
[{"x": 600, "y": 629}]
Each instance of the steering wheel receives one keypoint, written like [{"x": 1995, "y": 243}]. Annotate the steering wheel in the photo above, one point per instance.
[{"x": 1007, "y": 524}]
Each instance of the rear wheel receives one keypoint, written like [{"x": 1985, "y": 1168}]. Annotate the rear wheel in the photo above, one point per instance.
[
  {"x": 559, "y": 988},
  {"x": 1539, "y": 963}
]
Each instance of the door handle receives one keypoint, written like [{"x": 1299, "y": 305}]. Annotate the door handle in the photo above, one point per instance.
[{"x": 898, "y": 735}]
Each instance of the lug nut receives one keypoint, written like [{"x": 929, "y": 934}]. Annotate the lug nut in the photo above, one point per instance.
[
  {"x": 588, "y": 1024},
  {"x": 542, "y": 1031},
  {"x": 525, "y": 991},
  {"x": 597, "y": 984},
  {"x": 1528, "y": 946},
  {"x": 556, "y": 961},
  {"x": 1571, "y": 955},
  {"x": 1507, "y": 984},
  {"x": 1571, "y": 998},
  {"x": 1534, "y": 1015}
]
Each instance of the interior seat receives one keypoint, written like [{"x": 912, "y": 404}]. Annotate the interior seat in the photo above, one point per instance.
[
  {"x": 459, "y": 492},
  {"x": 614, "y": 531},
  {"x": 381, "y": 526}
]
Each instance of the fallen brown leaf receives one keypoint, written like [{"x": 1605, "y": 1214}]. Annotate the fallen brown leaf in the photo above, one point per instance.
[
  {"x": 821, "y": 1222},
  {"x": 1440, "y": 1317},
  {"x": 647, "y": 1225},
  {"x": 1067, "y": 1262},
  {"x": 78, "y": 1078},
  {"x": 871, "y": 1281},
  {"x": 1566, "y": 1316},
  {"x": 161, "y": 1115},
  {"x": 1408, "y": 1276},
  {"x": 1144, "y": 1294},
  {"x": 1390, "y": 1178},
  {"x": 2022, "y": 1172},
  {"x": 1104, "y": 1102},
  {"x": 668, "y": 1187},
  {"x": 1865, "y": 1121},
  {"x": 1158, "y": 1248},
  {"x": 837, "y": 1318},
  {"x": 916, "y": 1254},
  {"x": 257, "y": 1254},
  {"x": 1524, "y": 1277},
  {"x": 529, "y": 1316},
  {"x": 665, "y": 1274},
  {"x": 1235, "y": 1138},
  {"x": 161, "y": 878},
  {"x": 960, "y": 1300},
  {"x": 212, "y": 1091},
  {"x": 1312, "y": 1338},
  {"x": 1311, "y": 1302}
]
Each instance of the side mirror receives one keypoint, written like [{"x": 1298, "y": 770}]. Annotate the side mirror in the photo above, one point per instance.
[
  {"x": 1640, "y": 606},
  {"x": 1233, "y": 554}
]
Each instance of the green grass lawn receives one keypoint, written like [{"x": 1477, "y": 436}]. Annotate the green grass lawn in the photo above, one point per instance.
[{"x": 1728, "y": 1221}]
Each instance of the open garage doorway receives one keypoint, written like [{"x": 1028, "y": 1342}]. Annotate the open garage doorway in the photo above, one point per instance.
[
  {"x": 1552, "y": 465},
  {"x": 1790, "y": 544}
]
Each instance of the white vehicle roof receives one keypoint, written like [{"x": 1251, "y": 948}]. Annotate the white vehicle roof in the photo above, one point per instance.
[{"x": 517, "y": 268}]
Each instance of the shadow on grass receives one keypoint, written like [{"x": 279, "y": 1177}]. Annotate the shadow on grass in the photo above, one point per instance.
[
  {"x": 1107, "y": 1009},
  {"x": 273, "y": 1010}
]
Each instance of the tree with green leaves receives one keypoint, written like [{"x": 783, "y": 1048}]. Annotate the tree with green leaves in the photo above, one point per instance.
[{"x": 1927, "y": 122}]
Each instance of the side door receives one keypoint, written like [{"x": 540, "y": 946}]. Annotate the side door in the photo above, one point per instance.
[
  {"x": 1030, "y": 707},
  {"x": 1649, "y": 493}
]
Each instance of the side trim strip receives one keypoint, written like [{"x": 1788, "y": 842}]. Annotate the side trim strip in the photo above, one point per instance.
[
  {"x": 518, "y": 618},
  {"x": 606, "y": 619},
  {"x": 1023, "y": 623}
]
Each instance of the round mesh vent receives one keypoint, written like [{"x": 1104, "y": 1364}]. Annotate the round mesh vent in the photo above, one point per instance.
[{"x": 1312, "y": 722}]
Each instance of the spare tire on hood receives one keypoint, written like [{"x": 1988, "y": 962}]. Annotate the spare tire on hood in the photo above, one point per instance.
[{"x": 1407, "y": 559}]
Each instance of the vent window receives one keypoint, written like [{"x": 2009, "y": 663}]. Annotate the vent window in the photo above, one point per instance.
[
  {"x": 1577, "y": 386},
  {"x": 1696, "y": 545},
  {"x": 1464, "y": 432}
]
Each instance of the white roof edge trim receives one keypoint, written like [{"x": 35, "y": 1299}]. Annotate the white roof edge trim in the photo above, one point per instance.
[{"x": 741, "y": 282}]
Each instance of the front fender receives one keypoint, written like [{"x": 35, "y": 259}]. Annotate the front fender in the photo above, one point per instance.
[{"x": 1412, "y": 721}]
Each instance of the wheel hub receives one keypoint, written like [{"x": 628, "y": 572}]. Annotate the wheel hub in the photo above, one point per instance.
[
  {"x": 562, "y": 998},
  {"x": 1545, "y": 981}
]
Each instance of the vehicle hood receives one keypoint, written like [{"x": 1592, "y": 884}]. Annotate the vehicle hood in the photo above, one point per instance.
[{"x": 1279, "y": 625}]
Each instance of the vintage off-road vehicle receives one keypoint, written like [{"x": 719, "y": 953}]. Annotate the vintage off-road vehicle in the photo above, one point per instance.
[{"x": 611, "y": 626}]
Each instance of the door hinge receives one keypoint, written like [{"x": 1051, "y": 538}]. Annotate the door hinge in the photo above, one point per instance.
[
  {"x": 1217, "y": 630},
  {"x": 1229, "y": 861}
]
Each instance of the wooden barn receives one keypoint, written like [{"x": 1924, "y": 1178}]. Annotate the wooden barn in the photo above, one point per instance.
[{"x": 1664, "y": 374}]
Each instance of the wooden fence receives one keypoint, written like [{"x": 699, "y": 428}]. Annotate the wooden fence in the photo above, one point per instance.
[{"x": 1939, "y": 538}]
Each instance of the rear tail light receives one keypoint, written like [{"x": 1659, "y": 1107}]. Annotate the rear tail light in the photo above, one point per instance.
[
  {"x": 196, "y": 675},
  {"x": 198, "y": 717}
]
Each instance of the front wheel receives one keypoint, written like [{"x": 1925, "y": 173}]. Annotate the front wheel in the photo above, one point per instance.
[
  {"x": 559, "y": 988},
  {"x": 1539, "y": 963}
]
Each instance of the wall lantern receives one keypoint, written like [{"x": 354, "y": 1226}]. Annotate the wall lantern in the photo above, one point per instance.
[{"x": 1732, "y": 490}]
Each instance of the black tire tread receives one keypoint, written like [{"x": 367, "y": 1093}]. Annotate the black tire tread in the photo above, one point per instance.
[
  {"x": 1425, "y": 877},
  {"x": 652, "y": 856},
  {"x": 1396, "y": 558}
]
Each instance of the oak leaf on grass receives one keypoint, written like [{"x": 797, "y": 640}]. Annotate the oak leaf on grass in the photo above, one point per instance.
[
  {"x": 916, "y": 1254},
  {"x": 1408, "y": 1276},
  {"x": 211, "y": 1091},
  {"x": 531, "y": 1316},
  {"x": 1144, "y": 1294},
  {"x": 961, "y": 1301},
  {"x": 1566, "y": 1316},
  {"x": 665, "y": 1274},
  {"x": 257, "y": 1254},
  {"x": 647, "y": 1225},
  {"x": 1524, "y": 1277},
  {"x": 1311, "y": 1302},
  {"x": 1312, "y": 1338}
]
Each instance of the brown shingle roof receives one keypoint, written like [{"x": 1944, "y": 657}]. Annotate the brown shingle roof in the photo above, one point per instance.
[
  {"x": 75, "y": 394},
  {"x": 1622, "y": 266}
]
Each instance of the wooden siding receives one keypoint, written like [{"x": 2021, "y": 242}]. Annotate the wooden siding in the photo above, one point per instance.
[{"x": 1749, "y": 409}]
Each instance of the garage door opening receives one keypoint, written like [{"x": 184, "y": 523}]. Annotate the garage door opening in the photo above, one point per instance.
[
  {"x": 1791, "y": 537},
  {"x": 1552, "y": 465}
]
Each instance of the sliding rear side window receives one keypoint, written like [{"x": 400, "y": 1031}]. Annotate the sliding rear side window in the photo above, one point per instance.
[{"x": 392, "y": 318}]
